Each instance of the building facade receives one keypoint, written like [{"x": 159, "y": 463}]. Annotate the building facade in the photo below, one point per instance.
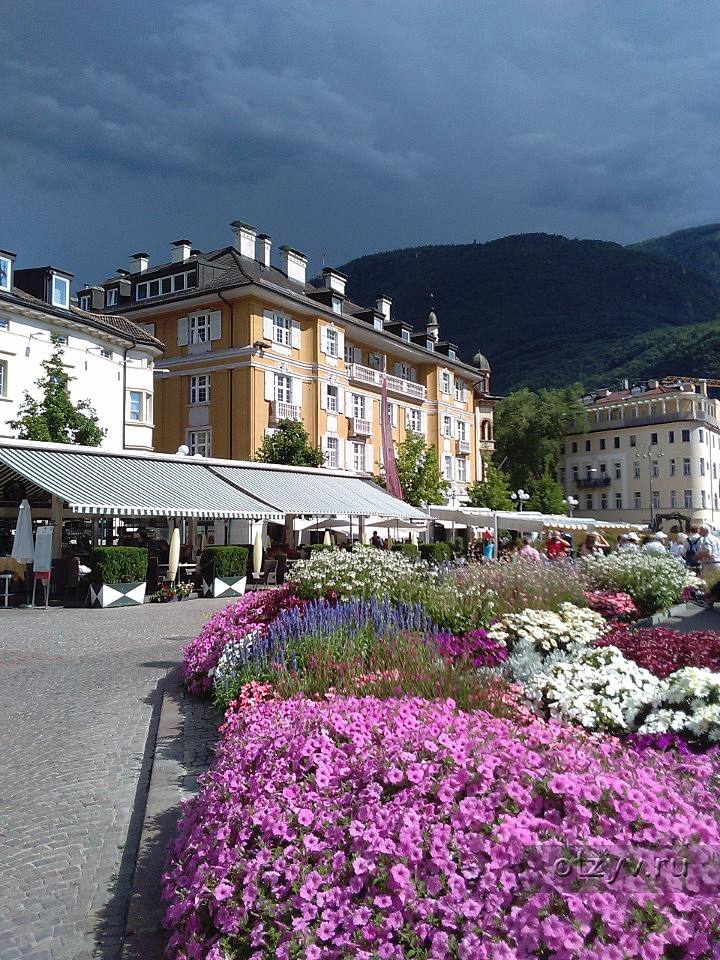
[
  {"x": 249, "y": 344},
  {"x": 110, "y": 359},
  {"x": 651, "y": 451}
]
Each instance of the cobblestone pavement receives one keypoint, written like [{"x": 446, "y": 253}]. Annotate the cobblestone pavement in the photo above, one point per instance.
[{"x": 78, "y": 708}]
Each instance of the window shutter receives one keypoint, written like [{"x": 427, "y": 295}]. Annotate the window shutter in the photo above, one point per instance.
[
  {"x": 323, "y": 443},
  {"x": 267, "y": 325},
  {"x": 296, "y": 334},
  {"x": 341, "y": 401},
  {"x": 407, "y": 418},
  {"x": 182, "y": 331},
  {"x": 269, "y": 385},
  {"x": 297, "y": 391},
  {"x": 349, "y": 464},
  {"x": 323, "y": 340},
  {"x": 215, "y": 325},
  {"x": 369, "y": 458},
  {"x": 398, "y": 369},
  {"x": 413, "y": 374},
  {"x": 369, "y": 407},
  {"x": 341, "y": 453},
  {"x": 341, "y": 343},
  {"x": 323, "y": 396}
]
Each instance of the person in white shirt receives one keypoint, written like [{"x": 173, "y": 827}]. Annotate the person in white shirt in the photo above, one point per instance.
[
  {"x": 709, "y": 547},
  {"x": 655, "y": 544},
  {"x": 628, "y": 543},
  {"x": 676, "y": 547}
]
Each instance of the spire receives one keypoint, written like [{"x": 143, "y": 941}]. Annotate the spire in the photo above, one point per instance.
[{"x": 431, "y": 327}]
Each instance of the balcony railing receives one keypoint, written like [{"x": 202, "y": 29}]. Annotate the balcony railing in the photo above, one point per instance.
[
  {"x": 395, "y": 384},
  {"x": 586, "y": 482},
  {"x": 463, "y": 446},
  {"x": 279, "y": 410},
  {"x": 360, "y": 427}
]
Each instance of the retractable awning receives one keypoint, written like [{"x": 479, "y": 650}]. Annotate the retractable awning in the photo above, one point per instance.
[
  {"x": 118, "y": 485},
  {"x": 317, "y": 493}
]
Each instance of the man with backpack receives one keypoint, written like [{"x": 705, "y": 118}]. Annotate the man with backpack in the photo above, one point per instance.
[{"x": 692, "y": 549}]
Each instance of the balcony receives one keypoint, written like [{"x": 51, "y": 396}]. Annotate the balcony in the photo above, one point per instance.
[
  {"x": 587, "y": 483},
  {"x": 372, "y": 377},
  {"x": 463, "y": 447},
  {"x": 359, "y": 428},
  {"x": 488, "y": 445},
  {"x": 279, "y": 410}
]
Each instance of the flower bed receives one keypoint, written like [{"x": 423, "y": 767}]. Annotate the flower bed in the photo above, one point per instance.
[
  {"x": 368, "y": 829},
  {"x": 364, "y": 573},
  {"x": 654, "y": 582},
  {"x": 662, "y": 651},
  {"x": 616, "y": 607}
]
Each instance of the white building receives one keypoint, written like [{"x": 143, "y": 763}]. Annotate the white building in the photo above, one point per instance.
[
  {"x": 649, "y": 451},
  {"x": 110, "y": 358}
]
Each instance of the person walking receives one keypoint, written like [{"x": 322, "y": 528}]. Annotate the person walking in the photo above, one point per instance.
[
  {"x": 692, "y": 549},
  {"x": 709, "y": 548}
]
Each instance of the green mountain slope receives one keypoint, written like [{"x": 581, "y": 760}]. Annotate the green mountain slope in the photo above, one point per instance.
[
  {"x": 697, "y": 249},
  {"x": 547, "y": 310}
]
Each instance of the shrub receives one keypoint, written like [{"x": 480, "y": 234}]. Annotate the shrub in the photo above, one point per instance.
[
  {"x": 363, "y": 573},
  {"x": 319, "y": 547},
  {"x": 653, "y": 581},
  {"x": 436, "y": 553},
  {"x": 118, "y": 564},
  {"x": 548, "y": 631},
  {"x": 618, "y": 607},
  {"x": 410, "y": 550},
  {"x": 231, "y": 561},
  {"x": 369, "y": 829},
  {"x": 663, "y": 651},
  {"x": 458, "y": 547},
  {"x": 689, "y": 703},
  {"x": 234, "y": 622}
]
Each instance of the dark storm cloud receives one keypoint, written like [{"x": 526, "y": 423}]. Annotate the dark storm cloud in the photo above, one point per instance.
[{"x": 346, "y": 126}]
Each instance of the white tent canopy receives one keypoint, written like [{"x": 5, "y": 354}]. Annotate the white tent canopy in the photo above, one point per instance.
[{"x": 525, "y": 521}]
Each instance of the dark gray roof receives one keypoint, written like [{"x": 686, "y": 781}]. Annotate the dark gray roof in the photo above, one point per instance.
[{"x": 113, "y": 324}]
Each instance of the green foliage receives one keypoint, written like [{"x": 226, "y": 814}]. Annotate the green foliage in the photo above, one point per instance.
[
  {"x": 410, "y": 550},
  {"x": 419, "y": 472},
  {"x": 54, "y": 418},
  {"x": 458, "y": 547},
  {"x": 230, "y": 561},
  {"x": 316, "y": 547},
  {"x": 436, "y": 552},
  {"x": 119, "y": 564},
  {"x": 696, "y": 249},
  {"x": 546, "y": 495},
  {"x": 554, "y": 310},
  {"x": 291, "y": 446},
  {"x": 493, "y": 492},
  {"x": 529, "y": 429}
]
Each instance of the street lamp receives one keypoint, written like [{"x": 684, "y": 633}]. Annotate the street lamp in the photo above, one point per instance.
[
  {"x": 650, "y": 456},
  {"x": 570, "y": 502},
  {"x": 452, "y": 500},
  {"x": 520, "y": 497}
]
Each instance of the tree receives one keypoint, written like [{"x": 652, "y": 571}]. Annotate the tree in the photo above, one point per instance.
[
  {"x": 419, "y": 472},
  {"x": 290, "y": 445},
  {"x": 529, "y": 429},
  {"x": 546, "y": 495},
  {"x": 493, "y": 492},
  {"x": 54, "y": 418}
]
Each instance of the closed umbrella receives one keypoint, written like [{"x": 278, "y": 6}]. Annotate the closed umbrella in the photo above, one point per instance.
[
  {"x": 326, "y": 539},
  {"x": 23, "y": 549},
  {"x": 257, "y": 553},
  {"x": 174, "y": 555},
  {"x": 366, "y": 538}
]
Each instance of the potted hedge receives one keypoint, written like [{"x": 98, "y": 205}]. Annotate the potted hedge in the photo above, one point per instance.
[
  {"x": 436, "y": 553},
  {"x": 118, "y": 576},
  {"x": 224, "y": 571}
]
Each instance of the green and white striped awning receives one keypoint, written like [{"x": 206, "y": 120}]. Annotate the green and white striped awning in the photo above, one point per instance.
[
  {"x": 316, "y": 493},
  {"x": 118, "y": 485}
]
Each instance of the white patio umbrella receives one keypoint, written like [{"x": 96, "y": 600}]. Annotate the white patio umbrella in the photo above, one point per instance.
[
  {"x": 257, "y": 553},
  {"x": 174, "y": 555},
  {"x": 366, "y": 537},
  {"x": 23, "y": 549},
  {"x": 326, "y": 539}
]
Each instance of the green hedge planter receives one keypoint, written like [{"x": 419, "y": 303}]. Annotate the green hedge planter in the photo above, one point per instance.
[
  {"x": 224, "y": 571},
  {"x": 118, "y": 577}
]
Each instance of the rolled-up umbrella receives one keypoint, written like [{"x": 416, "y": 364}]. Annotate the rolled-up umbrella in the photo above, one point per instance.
[
  {"x": 257, "y": 553},
  {"x": 23, "y": 549},
  {"x": 326, "y": 539},
  {"x": 174, "y": 555},
  {"x": 366, "y": 538}
]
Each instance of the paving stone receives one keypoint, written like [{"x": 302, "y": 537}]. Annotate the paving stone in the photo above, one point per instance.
[{"x": 78, "y": 701}]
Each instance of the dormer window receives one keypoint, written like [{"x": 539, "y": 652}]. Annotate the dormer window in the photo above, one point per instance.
[
  {"x": 60, "y": 291},
  {"x": 337, "y": 304},
  {"x": 84, "y": 301},
  {"x": 405, "y": 334},
  {"x": 377, "y": 323},
  {"x": 111, "y": 297},
  {"x": 5, "y": 273},
  {"x": 452, "y": 353}
]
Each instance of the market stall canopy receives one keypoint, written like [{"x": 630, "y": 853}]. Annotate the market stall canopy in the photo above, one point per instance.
[
  {"x": 122, "y": 485},
  {"x": 318, "y": 493}
]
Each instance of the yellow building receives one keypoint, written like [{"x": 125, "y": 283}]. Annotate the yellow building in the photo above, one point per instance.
[{"x": 249, "y": 344}]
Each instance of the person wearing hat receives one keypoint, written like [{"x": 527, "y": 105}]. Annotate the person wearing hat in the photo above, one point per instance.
[
  {"x": 556, "y": 548},
  {"x": 592, "y": 546},
  {"x": 655, "y": 544}
]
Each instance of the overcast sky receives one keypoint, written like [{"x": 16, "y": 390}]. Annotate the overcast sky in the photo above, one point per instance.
[{"x": 345, "y": 127}]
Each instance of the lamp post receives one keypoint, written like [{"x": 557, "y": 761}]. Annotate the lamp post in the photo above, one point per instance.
[
  {"x": 570, "y": 502},
  {"x": 650, "y": 456},
  {"x": 452, "y": 500},
  {"x": 520, "y": 497}
]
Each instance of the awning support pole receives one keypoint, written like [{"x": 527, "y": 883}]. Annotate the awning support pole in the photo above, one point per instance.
[{"x": 56, "y": 517}]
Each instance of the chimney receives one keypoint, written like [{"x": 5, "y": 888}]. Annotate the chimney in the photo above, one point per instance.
[
  {"x": 180, "y": 251},
  {"x": 264, "y": 245},
  {"x": 294, "y": 263},
  {"x": 244, "y": 238},
  {"x": 703, "y": 387},
  {"x": 335, "y": 280},
  {"x": 122, "y": 272},
  {"x": 626, "y": 385},
  {"x": 653, "y": 384},
  {"x": 139, "y": 263},
  {"x": 383, "y": 305}
]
